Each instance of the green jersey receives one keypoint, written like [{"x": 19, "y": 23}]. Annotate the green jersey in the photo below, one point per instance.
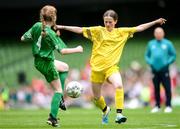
[{"x": 44, "y": 46}]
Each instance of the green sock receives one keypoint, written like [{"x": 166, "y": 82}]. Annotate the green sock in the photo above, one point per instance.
[
  {"x": 63, "y": 76},
  {"x": 55, "y": 104}
]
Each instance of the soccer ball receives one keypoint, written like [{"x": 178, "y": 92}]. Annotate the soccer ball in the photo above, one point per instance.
[{"x": 74, "y": 89}]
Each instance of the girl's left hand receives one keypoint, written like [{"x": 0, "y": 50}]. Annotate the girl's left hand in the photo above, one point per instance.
[
  {"x": 79, "y": 48},
  {"x": 161, "y": 21}
]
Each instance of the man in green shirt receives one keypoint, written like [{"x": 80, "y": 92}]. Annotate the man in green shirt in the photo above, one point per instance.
[
  {"x": 44, "y": 41},
  {"x": 160, "y": 54}
]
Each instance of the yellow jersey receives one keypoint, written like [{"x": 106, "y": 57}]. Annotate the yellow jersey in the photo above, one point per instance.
[{"x": 107, "y": 46}]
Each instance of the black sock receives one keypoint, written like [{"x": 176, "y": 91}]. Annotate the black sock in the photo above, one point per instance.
[
  {"x": 118, "y": 110},
  {"x": 104, "y": 109}
]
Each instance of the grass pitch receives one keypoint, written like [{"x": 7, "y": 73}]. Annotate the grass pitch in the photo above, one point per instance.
[{"x": 76, "y": 118}]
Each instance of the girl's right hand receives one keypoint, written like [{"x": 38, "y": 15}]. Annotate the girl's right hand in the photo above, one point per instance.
[{"x": 79, "y": 48}]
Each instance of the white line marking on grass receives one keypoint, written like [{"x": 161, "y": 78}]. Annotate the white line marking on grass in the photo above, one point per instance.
[
  {"x": 167, "y": 125},
  {"x": 154, "y": 126}
]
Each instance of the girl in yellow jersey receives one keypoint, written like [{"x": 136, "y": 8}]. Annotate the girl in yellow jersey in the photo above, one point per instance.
[{"x": 108, "y": 43}]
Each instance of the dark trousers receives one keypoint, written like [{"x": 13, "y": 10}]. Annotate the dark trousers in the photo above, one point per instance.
[{"x": 159, "y": 77}]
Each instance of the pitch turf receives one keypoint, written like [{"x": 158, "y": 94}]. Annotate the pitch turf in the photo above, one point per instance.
[{"x": 89, "y": 119}]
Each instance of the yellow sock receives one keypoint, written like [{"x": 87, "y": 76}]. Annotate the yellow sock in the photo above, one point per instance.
[
  {"x": 100, "y": 103},
  {"x": 119, "y": 98}
]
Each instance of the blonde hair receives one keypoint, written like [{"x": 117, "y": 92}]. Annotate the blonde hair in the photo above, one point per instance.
[{"x": 48, "y": 14}]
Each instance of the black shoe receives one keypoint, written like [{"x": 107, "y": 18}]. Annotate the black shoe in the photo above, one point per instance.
[
  {"x": 62, "y": 104},
  {"x": 52, "y": 121}
]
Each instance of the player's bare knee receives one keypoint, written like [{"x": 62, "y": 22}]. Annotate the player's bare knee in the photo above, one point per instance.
[
  {"x": 66, "y": 68},
  {"x": 117, "y": 85}
]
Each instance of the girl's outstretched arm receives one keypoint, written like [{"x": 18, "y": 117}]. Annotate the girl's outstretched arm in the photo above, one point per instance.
[
  {"x": 145, "y": 26},
  {"x": 78, "y": 49},
  {"x": 74, "y": 29}
]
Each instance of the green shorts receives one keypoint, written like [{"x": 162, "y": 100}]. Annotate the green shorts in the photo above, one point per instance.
[{"x": 47, "y": 68}]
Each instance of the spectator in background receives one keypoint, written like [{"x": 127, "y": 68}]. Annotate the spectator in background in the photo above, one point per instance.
[
  {"x": 160, "y": 53},
  {"x": 4, "y": 95}
]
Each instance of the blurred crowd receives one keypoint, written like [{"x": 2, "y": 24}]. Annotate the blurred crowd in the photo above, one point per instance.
[{"x": 136, "y": 80}]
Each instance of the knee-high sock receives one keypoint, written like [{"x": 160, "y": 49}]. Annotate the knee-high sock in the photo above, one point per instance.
[
  {"x": 100, "y": 103},
  {"x": 55, "y": 104},
  {"x": 63, "y": 76},
  {"x": 119, "y": 98}
]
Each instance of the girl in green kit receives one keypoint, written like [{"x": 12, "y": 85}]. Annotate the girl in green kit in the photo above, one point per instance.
[{"x": 44, "y": 41}]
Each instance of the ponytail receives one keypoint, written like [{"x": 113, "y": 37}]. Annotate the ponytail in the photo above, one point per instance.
[{"x": 43, "y": 33}]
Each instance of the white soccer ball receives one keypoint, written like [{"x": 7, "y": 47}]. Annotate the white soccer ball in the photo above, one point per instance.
[{"x": 74, "y": 89}]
